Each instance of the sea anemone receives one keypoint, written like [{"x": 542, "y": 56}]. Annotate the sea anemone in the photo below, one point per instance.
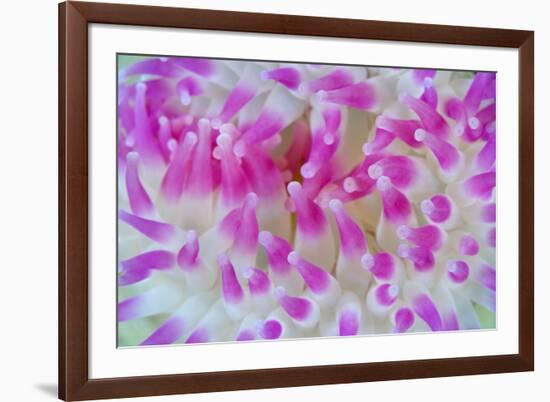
[{"x": 261, "y": 200}]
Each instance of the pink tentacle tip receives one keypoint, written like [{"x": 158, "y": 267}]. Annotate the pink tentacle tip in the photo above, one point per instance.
[
  {"x": 191, "y": 236},
  {"x": 204, "y": 125},
  {"x": 158, "y": 231},
  {"x": 279, "y": 292},
  {"x": 132, "y": 157},
  {"x": 172, "y": 144},
  {"x": 375, "y": 171},
  {"x": 428, "y": 82},
  {"x": 141, "y": 87},
  {"x": 294, "y": 188},
  {"x": 224, "y": 141},
  {"x": 348, "y": 323},
  {"x": 265, "y": 238},
  {"x": 248, "y": 272},
  {"x": 258, "y": 280},
  {"x": 481, "y": 186},
  {"x": 420, "y": 134},
  {"x": 185, "y": 98},
  {"x": 130, "y": 141},
  {"x": 329, "y": 138},
  {"x": 268, "y": 329},
  {"x": 427, "y": 207},
  {"x": 316, "y": 278},
  {"x": 189, "y": 252},
  {"x": 251, "y": 200},
  {"x": 393, "y": 291},
  {"x": 404, "y": 319},
  {"x": 381, "y": 265},
  {"x": 422, "y": 257},
  {"x": 438, "y": 208},
  {"x": 350, "y": 185},
  {"x": 425, "y": 308},
  {"x": 336, "y": 205},
  {"x": 352, "y": 238},
  {"x": 293, "y": 258},
  {"x": 458, "y": 271},
  {"x": 403, "y": 232},
  {"x": 232, "y": 291},
  {"x": 387, "y": 294},
  {"x": 191, "y": 138},
  {"x": 468, "y": 245},
  {"x": 367, "y": 262},
  {"x": 240, "y": 148},
  {"x": 287, "y": 76},
  {"x": 299, "y": 308},
  {"x": 163, "y": 121},
  {"x": 139, "y": 199},
  {"x": 308, "y": 170},
  {"x": 458, "y": 129},
  {"x": 223, "y": 260},
  {"x": 474, "y": 123},
  {"x": 383, "y": 183},
  {"x": 429, "y": 236}
]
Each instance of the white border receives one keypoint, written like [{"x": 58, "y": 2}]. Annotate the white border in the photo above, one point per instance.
[{"x": 105, "y": 360}]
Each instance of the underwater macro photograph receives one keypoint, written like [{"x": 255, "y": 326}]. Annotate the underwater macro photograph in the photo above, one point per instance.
[{"x": 263, "y": 200}]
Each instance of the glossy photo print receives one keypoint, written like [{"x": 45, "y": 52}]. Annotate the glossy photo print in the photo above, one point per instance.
[{"x": 263, "y": 200}]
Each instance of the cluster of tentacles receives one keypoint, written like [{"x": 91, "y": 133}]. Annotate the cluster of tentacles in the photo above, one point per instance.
[{"x": 261, "y": 200}]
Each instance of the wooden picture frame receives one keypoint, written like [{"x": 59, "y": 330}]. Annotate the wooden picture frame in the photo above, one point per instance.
[{"x": 74, "y": 381}]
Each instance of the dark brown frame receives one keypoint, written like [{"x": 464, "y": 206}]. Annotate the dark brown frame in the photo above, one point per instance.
[{"x": 74, "y": 382}]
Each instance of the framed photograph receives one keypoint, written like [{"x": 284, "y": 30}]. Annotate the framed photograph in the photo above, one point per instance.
[{"x": 260, "y": 200}]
